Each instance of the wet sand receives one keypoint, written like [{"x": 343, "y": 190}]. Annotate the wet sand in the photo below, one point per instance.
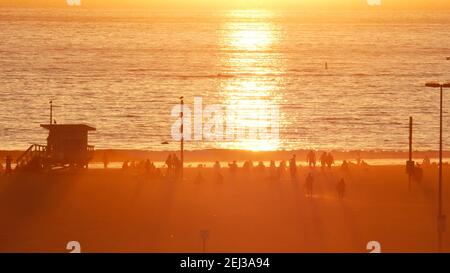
[{"x": 113, "y": 211}]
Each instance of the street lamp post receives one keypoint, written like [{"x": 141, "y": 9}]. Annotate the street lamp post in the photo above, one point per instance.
[
  {"x": 441, "y": 217},
  {"x": 410, "y": 162},
  {"x": 182, "y": 137}
]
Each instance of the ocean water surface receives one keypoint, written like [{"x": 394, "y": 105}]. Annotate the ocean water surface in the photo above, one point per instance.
[{"x": 123, "y": 71}]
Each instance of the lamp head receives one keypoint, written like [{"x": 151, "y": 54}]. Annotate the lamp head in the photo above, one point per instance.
[{"x": 433, "y": 84}]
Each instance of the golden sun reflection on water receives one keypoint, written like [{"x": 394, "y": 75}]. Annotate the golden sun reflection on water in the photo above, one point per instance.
[
  {"x": 257, "y": 38},
  {"x": 248, "y": 39}
]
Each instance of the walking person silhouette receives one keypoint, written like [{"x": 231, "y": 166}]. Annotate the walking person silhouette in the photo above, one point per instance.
[
  {"x": 311, "y": 158},
  {"x": 323, "y": 160},
  {"x": 293, "y": 168}
]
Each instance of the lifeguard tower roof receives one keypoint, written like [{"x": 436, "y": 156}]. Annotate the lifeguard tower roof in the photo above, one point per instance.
[{"x": 71, "y": 127}]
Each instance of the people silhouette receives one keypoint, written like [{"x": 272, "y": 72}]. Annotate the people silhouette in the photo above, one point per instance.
[
  {"x": 341, "y": 188},
  {"x": 281, "y": 169},
  {"x": 293, "y": 168},
  {"x": 364, "y": 165},
  {"x": 247, "y": 167},
  {"x": 125, "y": 165},
  {"x": 311, "y": 158},
  {"x": 329, "y": 160},
  {"x": 272, "y": 170},
  {"x": 217, "y": 175},
  {"x": 176, "y": 166},
  {"x": 149, "y": 168},
  {"x": 233, "y": 167},
  {"x": 261, "y": 167},
  {"x": 216, "y": 167},
  {"x": 309, "y": 185},
  {"x": 344, "y": 166},
  {"x": 169, "y": 163},
  {"x": 323, "y": 160}
]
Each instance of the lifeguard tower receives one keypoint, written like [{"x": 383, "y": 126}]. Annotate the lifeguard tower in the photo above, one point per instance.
[{"x": 67, "y": 146}]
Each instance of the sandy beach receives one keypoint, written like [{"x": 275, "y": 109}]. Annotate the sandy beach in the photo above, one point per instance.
[{"x": 125, "y": 211}]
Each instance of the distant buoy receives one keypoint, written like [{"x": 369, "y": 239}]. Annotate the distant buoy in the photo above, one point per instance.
[{"x": 326, "y": 65}]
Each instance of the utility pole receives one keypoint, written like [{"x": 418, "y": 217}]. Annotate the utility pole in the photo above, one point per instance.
[
  {"x": 410, "y": 161},
  {"x": 182, "y": 137},
  {"x": 441, "y": 218}
]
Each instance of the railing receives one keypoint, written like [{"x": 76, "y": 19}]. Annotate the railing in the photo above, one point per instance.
[
  {"x": 90, "y": 151},
  {"x": 35, "y": 150}
]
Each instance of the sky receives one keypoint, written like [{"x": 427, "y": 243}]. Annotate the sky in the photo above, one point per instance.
[{"x": 192, "y": 4}]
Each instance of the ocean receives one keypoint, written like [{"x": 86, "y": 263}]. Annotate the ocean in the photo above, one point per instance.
[{"x": 341, "y": 80}]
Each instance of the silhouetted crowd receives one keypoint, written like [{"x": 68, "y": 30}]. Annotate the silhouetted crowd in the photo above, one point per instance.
[
  {"x": 145, "y": 167},
  {"x": 275, "y": 171}
]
